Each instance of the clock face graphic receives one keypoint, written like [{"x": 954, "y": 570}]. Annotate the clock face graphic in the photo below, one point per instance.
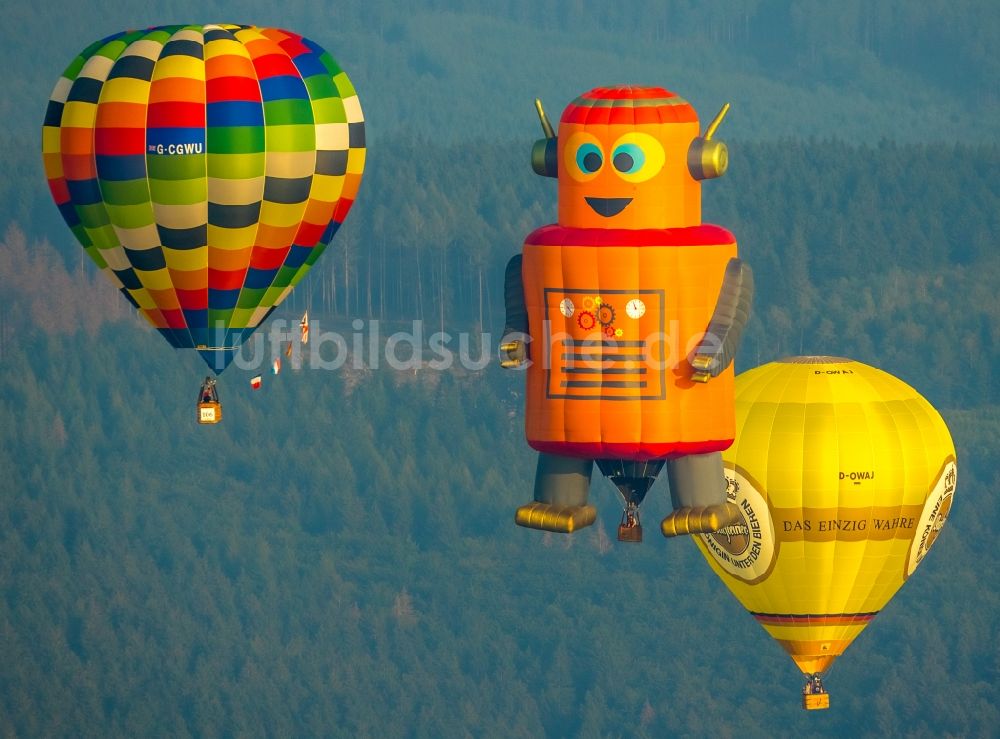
[
  {"x": 566, "y": 307},
  {"x": 635, "y": 308}
]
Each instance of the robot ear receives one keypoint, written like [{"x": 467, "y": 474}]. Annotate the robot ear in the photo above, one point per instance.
[
  {"x": 544, "y": 154},
  {"x": 707, "y": 158},
  {"x": 544, "y": 157}
]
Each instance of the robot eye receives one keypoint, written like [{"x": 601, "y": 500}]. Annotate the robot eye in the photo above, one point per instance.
[
  {"x": 637, "y": 156},
  {"x": 589, "y": 158},
  {"x": 628, "y": 158}
]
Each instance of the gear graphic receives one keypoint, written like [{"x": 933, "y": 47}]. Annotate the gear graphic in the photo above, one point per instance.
[
  {"x": 609, "y": 331},
  {"x": 606, "y": 314},
  {"x": 586, "y": 320}
]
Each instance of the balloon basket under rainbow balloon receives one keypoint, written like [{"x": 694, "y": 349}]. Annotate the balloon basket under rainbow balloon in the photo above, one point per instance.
[{"x": 209, "y": 412}]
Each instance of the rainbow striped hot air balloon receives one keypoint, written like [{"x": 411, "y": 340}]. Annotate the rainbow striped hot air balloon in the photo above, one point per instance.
[
  {"x": 844, "y": 476},
  {"x": 204, "y": 169}
]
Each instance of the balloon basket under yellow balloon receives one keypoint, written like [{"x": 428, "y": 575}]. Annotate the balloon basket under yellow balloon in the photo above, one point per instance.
[{"x": 816, "y": 701}]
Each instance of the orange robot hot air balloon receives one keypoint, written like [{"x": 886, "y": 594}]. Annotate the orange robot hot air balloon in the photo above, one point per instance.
[{"x": 627, "y": 315}]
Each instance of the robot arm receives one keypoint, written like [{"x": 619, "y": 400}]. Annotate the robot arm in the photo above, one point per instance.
[
  {"x": 732, "y": 311},
  {"x": 516, "y": 325}
]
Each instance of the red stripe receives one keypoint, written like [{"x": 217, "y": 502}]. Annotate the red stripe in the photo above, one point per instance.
[
  {"x": 59, "y": 190},
  {"x": 221, "y": 279},
  {"x": 222, "y": 89},
  {"x": 340, "y": 212},
  {"x": 192, "y": 299},
  {"x": 261, "y": 258},
  {"x": 293, "y": 45},
  {"x": 176, "y": 114},
  {"x": 119, "y": 141},
  {"x": 798, "y": 619},
  {"x": 309, "y": 234},
  {"x": 274, "y": 65},
  {"x": 627, "y": 92},
  {"x": 641, "y": 451},
  {"x": 706, "y": 234},
  {"x": 174, "y": 317}
]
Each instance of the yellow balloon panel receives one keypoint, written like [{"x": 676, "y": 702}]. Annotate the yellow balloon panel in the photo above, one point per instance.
[{"x": 844, "y": 475}]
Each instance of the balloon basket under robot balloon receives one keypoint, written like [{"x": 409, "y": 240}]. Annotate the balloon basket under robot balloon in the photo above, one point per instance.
[{"x": 630, "y": 530}]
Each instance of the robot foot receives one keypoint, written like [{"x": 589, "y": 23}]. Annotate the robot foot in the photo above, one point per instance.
[
  {"x": 562, "y": 519},
  {"x": 700, "y": 519}
]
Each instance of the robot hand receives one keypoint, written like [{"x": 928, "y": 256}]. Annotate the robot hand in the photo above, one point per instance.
[
  {"x": 516, "y": 354},
  {"x": 703, "y": 365}
]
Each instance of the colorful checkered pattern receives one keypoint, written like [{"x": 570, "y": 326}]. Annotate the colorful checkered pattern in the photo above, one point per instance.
[{"x": 204, "y": 169}]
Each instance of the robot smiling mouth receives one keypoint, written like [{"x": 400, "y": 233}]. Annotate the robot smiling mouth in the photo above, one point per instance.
[{"x": 608, "y": 207}]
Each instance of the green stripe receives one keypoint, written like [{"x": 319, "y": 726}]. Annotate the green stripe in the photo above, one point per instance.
[
  {"x": 250, "y": 298},
  {"x": 131, "y": 216},
  {"x": 344, "y": 85},
  {"x": 104, "y": 237},
  {"x": 179, "y": 192},
  {"x": 320, "y": 86},
  {"x": 124, "y": 192},
  {"x": 175, "y": 167},
  {"x": 96, "y": 256},
  {"x": 302, "y": 271},
  {"x": 330, "y": 63},
  {"x": 236, "y": 166},
  {"x": 287, "y": 112},
  {"x": 235, "y": 139},
  {"x": 241, "y": 316},
  {"x": 330, "y": 110},
  {"x": 216, "y": 316},
  {"x": 92, "y": 216},
  {"x": 291, "y": 138}
]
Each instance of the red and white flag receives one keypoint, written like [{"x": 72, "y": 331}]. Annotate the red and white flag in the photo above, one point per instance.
[
  {"x": 304, "y": 327},
  {"x": 255, "y": 382},
  {"x": 276, "y": 365}
]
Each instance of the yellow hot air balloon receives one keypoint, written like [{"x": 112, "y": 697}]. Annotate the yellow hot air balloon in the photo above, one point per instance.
[{"x": 844, "y": 476}]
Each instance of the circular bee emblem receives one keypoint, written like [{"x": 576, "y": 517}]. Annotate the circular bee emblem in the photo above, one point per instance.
[
  {"x": 745, "y": 549},
  {"x": 932, "y": 519}
]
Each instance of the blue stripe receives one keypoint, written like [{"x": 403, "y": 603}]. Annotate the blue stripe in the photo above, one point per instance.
[
  {"x": 235, "y": 113},
  {"x": 257, "y": 279},
  {"x": 222, "y": 299},
  {"x": 129, "y": 280},
  {"x": 297, "y": 256},
  {"x": 179, "y": 338},
  {"x": 69, "y": 214},
  {"x": 283, "y": 88},
  {"x": 84, "y": 192},
  {"x": 331, "y": 229},
  {"x": 121, "y": 168},
  {"x": 146, "y": 260},
  {"x": 309, "y": 66}
]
